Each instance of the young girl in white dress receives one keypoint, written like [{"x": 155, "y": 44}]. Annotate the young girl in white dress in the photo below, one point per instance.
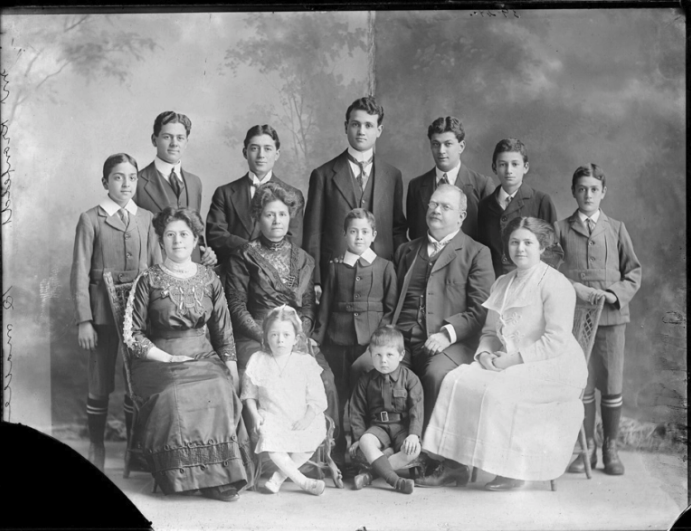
[{"x": 283, "y": 392}]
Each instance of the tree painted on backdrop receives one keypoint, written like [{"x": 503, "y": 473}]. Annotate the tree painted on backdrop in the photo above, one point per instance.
[
  {"x": 80, "y": 42},
  {"x": 298, "y": 55}
]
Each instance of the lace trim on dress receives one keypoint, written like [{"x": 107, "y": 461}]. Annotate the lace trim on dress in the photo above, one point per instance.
[
  {"x": 139, "y": 348},
  {"x": 277, "y": 257},
  {"x": 186, "y": 293}
]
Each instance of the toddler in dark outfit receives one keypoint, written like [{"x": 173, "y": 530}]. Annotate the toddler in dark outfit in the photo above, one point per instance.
[{"x": 386, "y": 409}]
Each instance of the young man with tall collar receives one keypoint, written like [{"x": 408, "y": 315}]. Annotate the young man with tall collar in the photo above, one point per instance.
[
  {"x": 164, "y": 183},
  {"x": 447, "y": 142},
  {"x": 229, "y": 223},
  {"x": 354, "y": 179}
]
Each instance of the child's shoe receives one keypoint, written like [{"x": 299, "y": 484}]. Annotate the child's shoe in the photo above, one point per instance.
[
  {"x": 362, "y": 480},
  {"x": 406, "y": 486},
  {"x": 314, "y": 486}
]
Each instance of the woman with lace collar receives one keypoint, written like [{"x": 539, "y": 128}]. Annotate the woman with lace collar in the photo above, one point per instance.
[
  {"x": 516, "y": 410},
  {"x": 269, "y": 271},
  {"x": 190, "y": 423}
]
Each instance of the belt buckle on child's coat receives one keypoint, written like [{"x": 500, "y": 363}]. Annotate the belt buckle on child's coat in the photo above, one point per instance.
[{"x": 384, "y": 416}]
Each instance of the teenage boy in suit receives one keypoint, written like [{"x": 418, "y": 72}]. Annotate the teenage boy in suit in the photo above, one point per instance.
[
  {"x": 354, "y": 179},
  {"x": 164, "y": 183},
  {"x": 447, "y": 142},
  {"x": 229, "y": 223}
]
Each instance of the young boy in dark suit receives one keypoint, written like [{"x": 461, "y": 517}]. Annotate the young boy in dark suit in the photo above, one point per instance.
[
  {"x": 164, "y": 183},
  {"x": 447, "y": 142},
  {"x": 119, "y": 237},
  {"x": 600, "y": 262},
  {"x": 354, "y": 179},
  {"x": 511, "y": 200},
  {"x": 359, "y": 296},
  {"x": 229, "y": 223},
  {"x": 386, "y": 411}
]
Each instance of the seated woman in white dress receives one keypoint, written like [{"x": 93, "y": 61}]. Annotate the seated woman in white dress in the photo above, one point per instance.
[
  {"x": 283, "y": 393},
  {"x": 515, "y": 411}
]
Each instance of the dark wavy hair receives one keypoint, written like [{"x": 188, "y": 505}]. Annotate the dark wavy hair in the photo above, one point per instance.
[
  {"x": 116, "y": 159},
  {"x": 258, "y": 130},
  {"x": 171, "y": 117},
  {"x": 509, "y": 145},
  {"x": 269, "y": 192},
  {"x": 448, "y": 124},
  {"x": 388, "y": 336},
  {"x": 591, "y": 170},
  {"x": 169, "y": 214},
  {"x": 369, "y": 105},
  {"x": 542, "y": 230}
]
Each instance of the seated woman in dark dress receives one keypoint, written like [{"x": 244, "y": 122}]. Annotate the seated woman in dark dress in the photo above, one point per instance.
[
  {"x": 190, "y": 423},
  {"x": 268, "y": 272}
]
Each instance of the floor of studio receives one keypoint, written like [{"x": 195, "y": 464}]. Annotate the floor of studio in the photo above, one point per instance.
[{"x": 651, "y": 495}]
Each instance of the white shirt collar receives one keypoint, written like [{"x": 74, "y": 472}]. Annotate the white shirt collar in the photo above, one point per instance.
[
  {"x": 256, "y": 181},
  {"x": 444, "y": 240},
  {"x": 111, "y": 207},
  {"x": 451, "y": 175},
  {"x": 165, "y": 168},
  {"x": 362, "y": 156},
  {"x": 594, "y": 217},
  {"x": 350, "y": 258},
  {"x": 503, "y": 195}
]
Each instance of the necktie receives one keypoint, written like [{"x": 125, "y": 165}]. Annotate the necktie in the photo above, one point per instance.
[
  {"x": 362, "y": 177},
  {"x": 386, "y": 393},
  {"x": 506, "y": 202},
  {"x": 444, "y": 179},
  {"x": 175, "y": 183},
  {"x": 438, "y": 247},
  {"x": 124, "y": 217},
  {"x": 591, "y": 225}
]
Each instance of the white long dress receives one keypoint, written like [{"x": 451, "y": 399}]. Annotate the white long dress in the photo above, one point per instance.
[
  {"x": 283, "y": 395},
  {"x": 520, "y": 422}
]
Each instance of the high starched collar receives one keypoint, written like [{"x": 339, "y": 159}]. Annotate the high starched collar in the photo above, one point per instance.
[{"x": 351, "y": 258}]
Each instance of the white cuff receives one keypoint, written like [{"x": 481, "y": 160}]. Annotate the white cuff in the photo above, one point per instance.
[{"x": 451, "y": 332}]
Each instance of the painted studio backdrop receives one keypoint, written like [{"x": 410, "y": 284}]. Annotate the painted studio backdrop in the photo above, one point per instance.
[{"x": 603, "y": 86}]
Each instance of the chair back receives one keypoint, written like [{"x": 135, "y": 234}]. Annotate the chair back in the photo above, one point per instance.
[
  {"x": 585, "y": 320},
  {"x": 117, "y": 297}
]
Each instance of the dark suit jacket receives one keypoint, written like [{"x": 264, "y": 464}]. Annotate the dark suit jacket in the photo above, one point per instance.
[
  {"x": 603, "y": 260},
  {"x": 474, "y": 185},
  {"x": 355, "y": 302},
  {"x": 102, "y": 243},
  {"x": 458, "y": 285},
  {"x": 492, "y": 220},
  {"x": 331, "y": 197},
  {"x": 151, "y": 194},
  {"x": 229, "y": 223}
]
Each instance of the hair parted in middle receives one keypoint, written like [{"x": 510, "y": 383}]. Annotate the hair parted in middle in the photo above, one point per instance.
[
  {"x": 116, "y": 159},
  {"x": 172, "y": 117},
  {"x": 283, "y": 313},
  {"x": 448, "y": 124},
  {"x": 258, "y": 130},
  {"x": 270, "y": 192},
  {"x": 542, "y": 230},
  {"x": 169, "y": 214}
]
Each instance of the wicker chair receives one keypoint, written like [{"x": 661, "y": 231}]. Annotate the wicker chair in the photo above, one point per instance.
[{"x": 117, "y": 296}]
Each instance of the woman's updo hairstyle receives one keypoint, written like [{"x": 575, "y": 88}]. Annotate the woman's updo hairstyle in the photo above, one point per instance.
[
  {"x": 169, "y": 214},
  {"x": 269, "y": 192},
  {"x": 542, "y": 230},
  {"x": 114, "y": 160}
]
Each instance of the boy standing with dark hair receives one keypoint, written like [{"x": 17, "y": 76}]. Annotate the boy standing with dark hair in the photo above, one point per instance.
[
  {"x": 354, "y": 179},
  {"x": 447, "y": 142},
  {"x": 164, "y": 183},
  {"x": 229, "y": 223}
]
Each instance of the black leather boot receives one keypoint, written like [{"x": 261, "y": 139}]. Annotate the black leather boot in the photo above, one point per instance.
[
  {"x": 578, "y": 467},
  {"x": 610, "y": 458}
]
